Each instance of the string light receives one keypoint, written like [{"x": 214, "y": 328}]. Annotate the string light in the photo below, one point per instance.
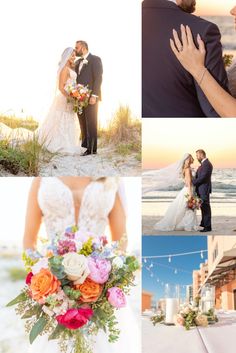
[
  {"x": 202, "y": 255},
  {"x": 145, "y": 260},
  {"x": 169, "y": 259},
  {"x": 175, "y": 255}
]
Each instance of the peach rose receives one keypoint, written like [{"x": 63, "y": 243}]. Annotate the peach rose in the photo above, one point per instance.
[
  {"x": 90, "y": 291},
  {"x": 43, "y": 284}
]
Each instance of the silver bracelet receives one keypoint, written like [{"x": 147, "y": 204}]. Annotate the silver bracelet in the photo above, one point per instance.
[{"x": 203, "y": 75}]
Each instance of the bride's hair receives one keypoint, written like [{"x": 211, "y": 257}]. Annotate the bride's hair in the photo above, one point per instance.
[
  {"x": 187, "y": 162},
  {"x": 188, "y": 6}
]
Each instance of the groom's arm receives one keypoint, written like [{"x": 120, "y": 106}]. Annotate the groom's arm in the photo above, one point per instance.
[
  {"x": 214, "y": 64},
  {"x": 97, "y": 76}
]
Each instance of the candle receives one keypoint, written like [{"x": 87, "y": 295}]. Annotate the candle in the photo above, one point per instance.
[{"x": 171, "y": 310}]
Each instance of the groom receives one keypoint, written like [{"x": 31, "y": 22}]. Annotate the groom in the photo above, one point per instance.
[
  {"x": 89, "y": 73},
  {"x": 202, "y": 182},
  {"x": 168, "y": 89}
]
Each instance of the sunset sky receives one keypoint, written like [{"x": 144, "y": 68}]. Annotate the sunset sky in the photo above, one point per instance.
[
  {"x": 166, "y": 140},
  {"x": 35, "y": 33},
  {"x": 214, "y": 7}
]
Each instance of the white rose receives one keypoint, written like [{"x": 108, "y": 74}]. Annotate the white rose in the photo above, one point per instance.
[
  {"x": 117, "y": 262},
  {"x": 76, "y": 267}
]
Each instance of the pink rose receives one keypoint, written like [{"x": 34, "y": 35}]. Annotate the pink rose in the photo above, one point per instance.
[
  {"x": 99, "y": 270},
  {"x": 28, "y": 278},
  {"x": 75, "y": 318},
  {"x": 116, "y": 297}
]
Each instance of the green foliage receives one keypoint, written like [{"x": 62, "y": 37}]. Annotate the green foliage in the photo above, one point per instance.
[
  {"x": 28, "y": 262},
  {"x": 22, "y": 157},
  {"x": 33, "y": 311},
  {"x": 38, "y": 328},
  {"x": 124, "y": 132},
  {"x": 228, "y": 59},
  {"x": 105, "y": 319},
  {"x": 73, "y": 294},
  {"x": 56, "y": 267},
  {"x": 57, "y": 332},
  {"x": 87, "y": 248},
  {"x": 20, "y": 298},
  {"x": 156, "y": 319}
]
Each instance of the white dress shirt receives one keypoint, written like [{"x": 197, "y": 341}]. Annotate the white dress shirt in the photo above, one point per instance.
[
  {"x": 204, "y": 160},
  {"x": 82, "y": 61},
  {"x": 173, "y": 1}
]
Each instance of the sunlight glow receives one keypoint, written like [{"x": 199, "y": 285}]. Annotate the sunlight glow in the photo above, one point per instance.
[{"x": 34, "y": 34}]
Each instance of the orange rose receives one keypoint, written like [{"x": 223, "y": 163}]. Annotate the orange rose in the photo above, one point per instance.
[
  {"x": 90, "y": 291},
  {"x": 75, "y": 94},
  {"x": 43, "y": 284}
]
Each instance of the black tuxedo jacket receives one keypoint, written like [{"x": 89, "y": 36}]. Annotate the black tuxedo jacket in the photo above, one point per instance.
[
  {"x": 91, "y": 74},
  {"x": 168, "y": 89},
  {"x": 202, "y": 181}
]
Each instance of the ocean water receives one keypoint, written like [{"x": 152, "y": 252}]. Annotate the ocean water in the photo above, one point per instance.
[
  {"x": 227, "y": 29},
  {"x": 223, "y": 188}
]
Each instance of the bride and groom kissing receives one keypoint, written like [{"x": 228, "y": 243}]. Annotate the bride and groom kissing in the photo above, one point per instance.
[
  {"x": 179, "y": 217},
  {"x": 62, "y": 127},
  {"x": 183, "y": 70},
  {"x": 60, "y": 131}
]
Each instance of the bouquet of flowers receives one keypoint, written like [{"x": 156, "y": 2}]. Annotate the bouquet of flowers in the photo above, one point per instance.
[
  {"x": 73, "y": 288},
  {"x": 78, "y": 95},
  {"x": 189, "y": 316},
  {"x": 194, "y": 203}
]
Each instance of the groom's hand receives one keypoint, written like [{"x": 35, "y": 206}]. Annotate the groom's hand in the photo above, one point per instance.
[{"x": 92, "y": 100}]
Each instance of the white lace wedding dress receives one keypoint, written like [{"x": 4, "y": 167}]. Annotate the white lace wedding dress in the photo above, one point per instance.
[
  {"x": 178, "y": 216},
  {"x": 60, "y": 130},
  {"x": 56, "y": 202}
]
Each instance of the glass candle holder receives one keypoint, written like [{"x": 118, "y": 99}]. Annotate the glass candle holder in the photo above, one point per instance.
[
  {"x": 207, "y": 298},
  {"x": 172, "y": 303}
]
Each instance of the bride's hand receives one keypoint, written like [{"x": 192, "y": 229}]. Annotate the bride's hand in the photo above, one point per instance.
[{"x": 192, "y": 58}]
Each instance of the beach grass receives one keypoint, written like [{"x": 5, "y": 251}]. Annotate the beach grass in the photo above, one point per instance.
[
  {"x": 123, "y": 132},
  {"x": 13, "y": 122},
  {"x": 22, "y": 158}
]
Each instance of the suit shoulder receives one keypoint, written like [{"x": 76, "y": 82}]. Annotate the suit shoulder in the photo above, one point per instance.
[
  {"x": 203, "y": 24},
  {"x": 96, "y": 58}
]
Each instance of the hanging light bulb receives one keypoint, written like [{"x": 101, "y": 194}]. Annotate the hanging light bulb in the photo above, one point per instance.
[
  {"x": 202, "y": 255},
  {"x": 151, "y": 266},
  {"x": 176, "y": 271},
  {"x": 145, "y": 260},
  {"x": 158, "y": 280},
  {"x": 152, "y": 275},
  {"x": 169, "y": 258}
]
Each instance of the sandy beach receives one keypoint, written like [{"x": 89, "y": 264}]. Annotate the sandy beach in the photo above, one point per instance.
[
  {"x": 106, "y": 162},
  {"x": 221, "y": 225}
]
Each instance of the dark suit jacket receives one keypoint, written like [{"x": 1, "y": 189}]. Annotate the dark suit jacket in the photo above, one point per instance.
[
  {"x": 91, "y": 74},
  {"x": 168, "y": 89},
  {"x": 203, "y": 179}
]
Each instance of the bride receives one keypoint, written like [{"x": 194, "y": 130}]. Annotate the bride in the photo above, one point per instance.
[
  {"x": 59, "y": 132},
  {"x": 193, "y": 60},
  {"x": 177, "y": 216},
  {"x": 92, "y": 204}
]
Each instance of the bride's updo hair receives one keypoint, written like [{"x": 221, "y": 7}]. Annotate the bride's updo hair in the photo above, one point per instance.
[
  {"x": 187, "y": 163},
  {"x": 188, "y": 6}
]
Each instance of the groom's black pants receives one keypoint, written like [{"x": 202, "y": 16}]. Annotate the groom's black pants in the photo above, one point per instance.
[
  {"x": 206, "y": 211},
  {"x": 88, "y": 126}
]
